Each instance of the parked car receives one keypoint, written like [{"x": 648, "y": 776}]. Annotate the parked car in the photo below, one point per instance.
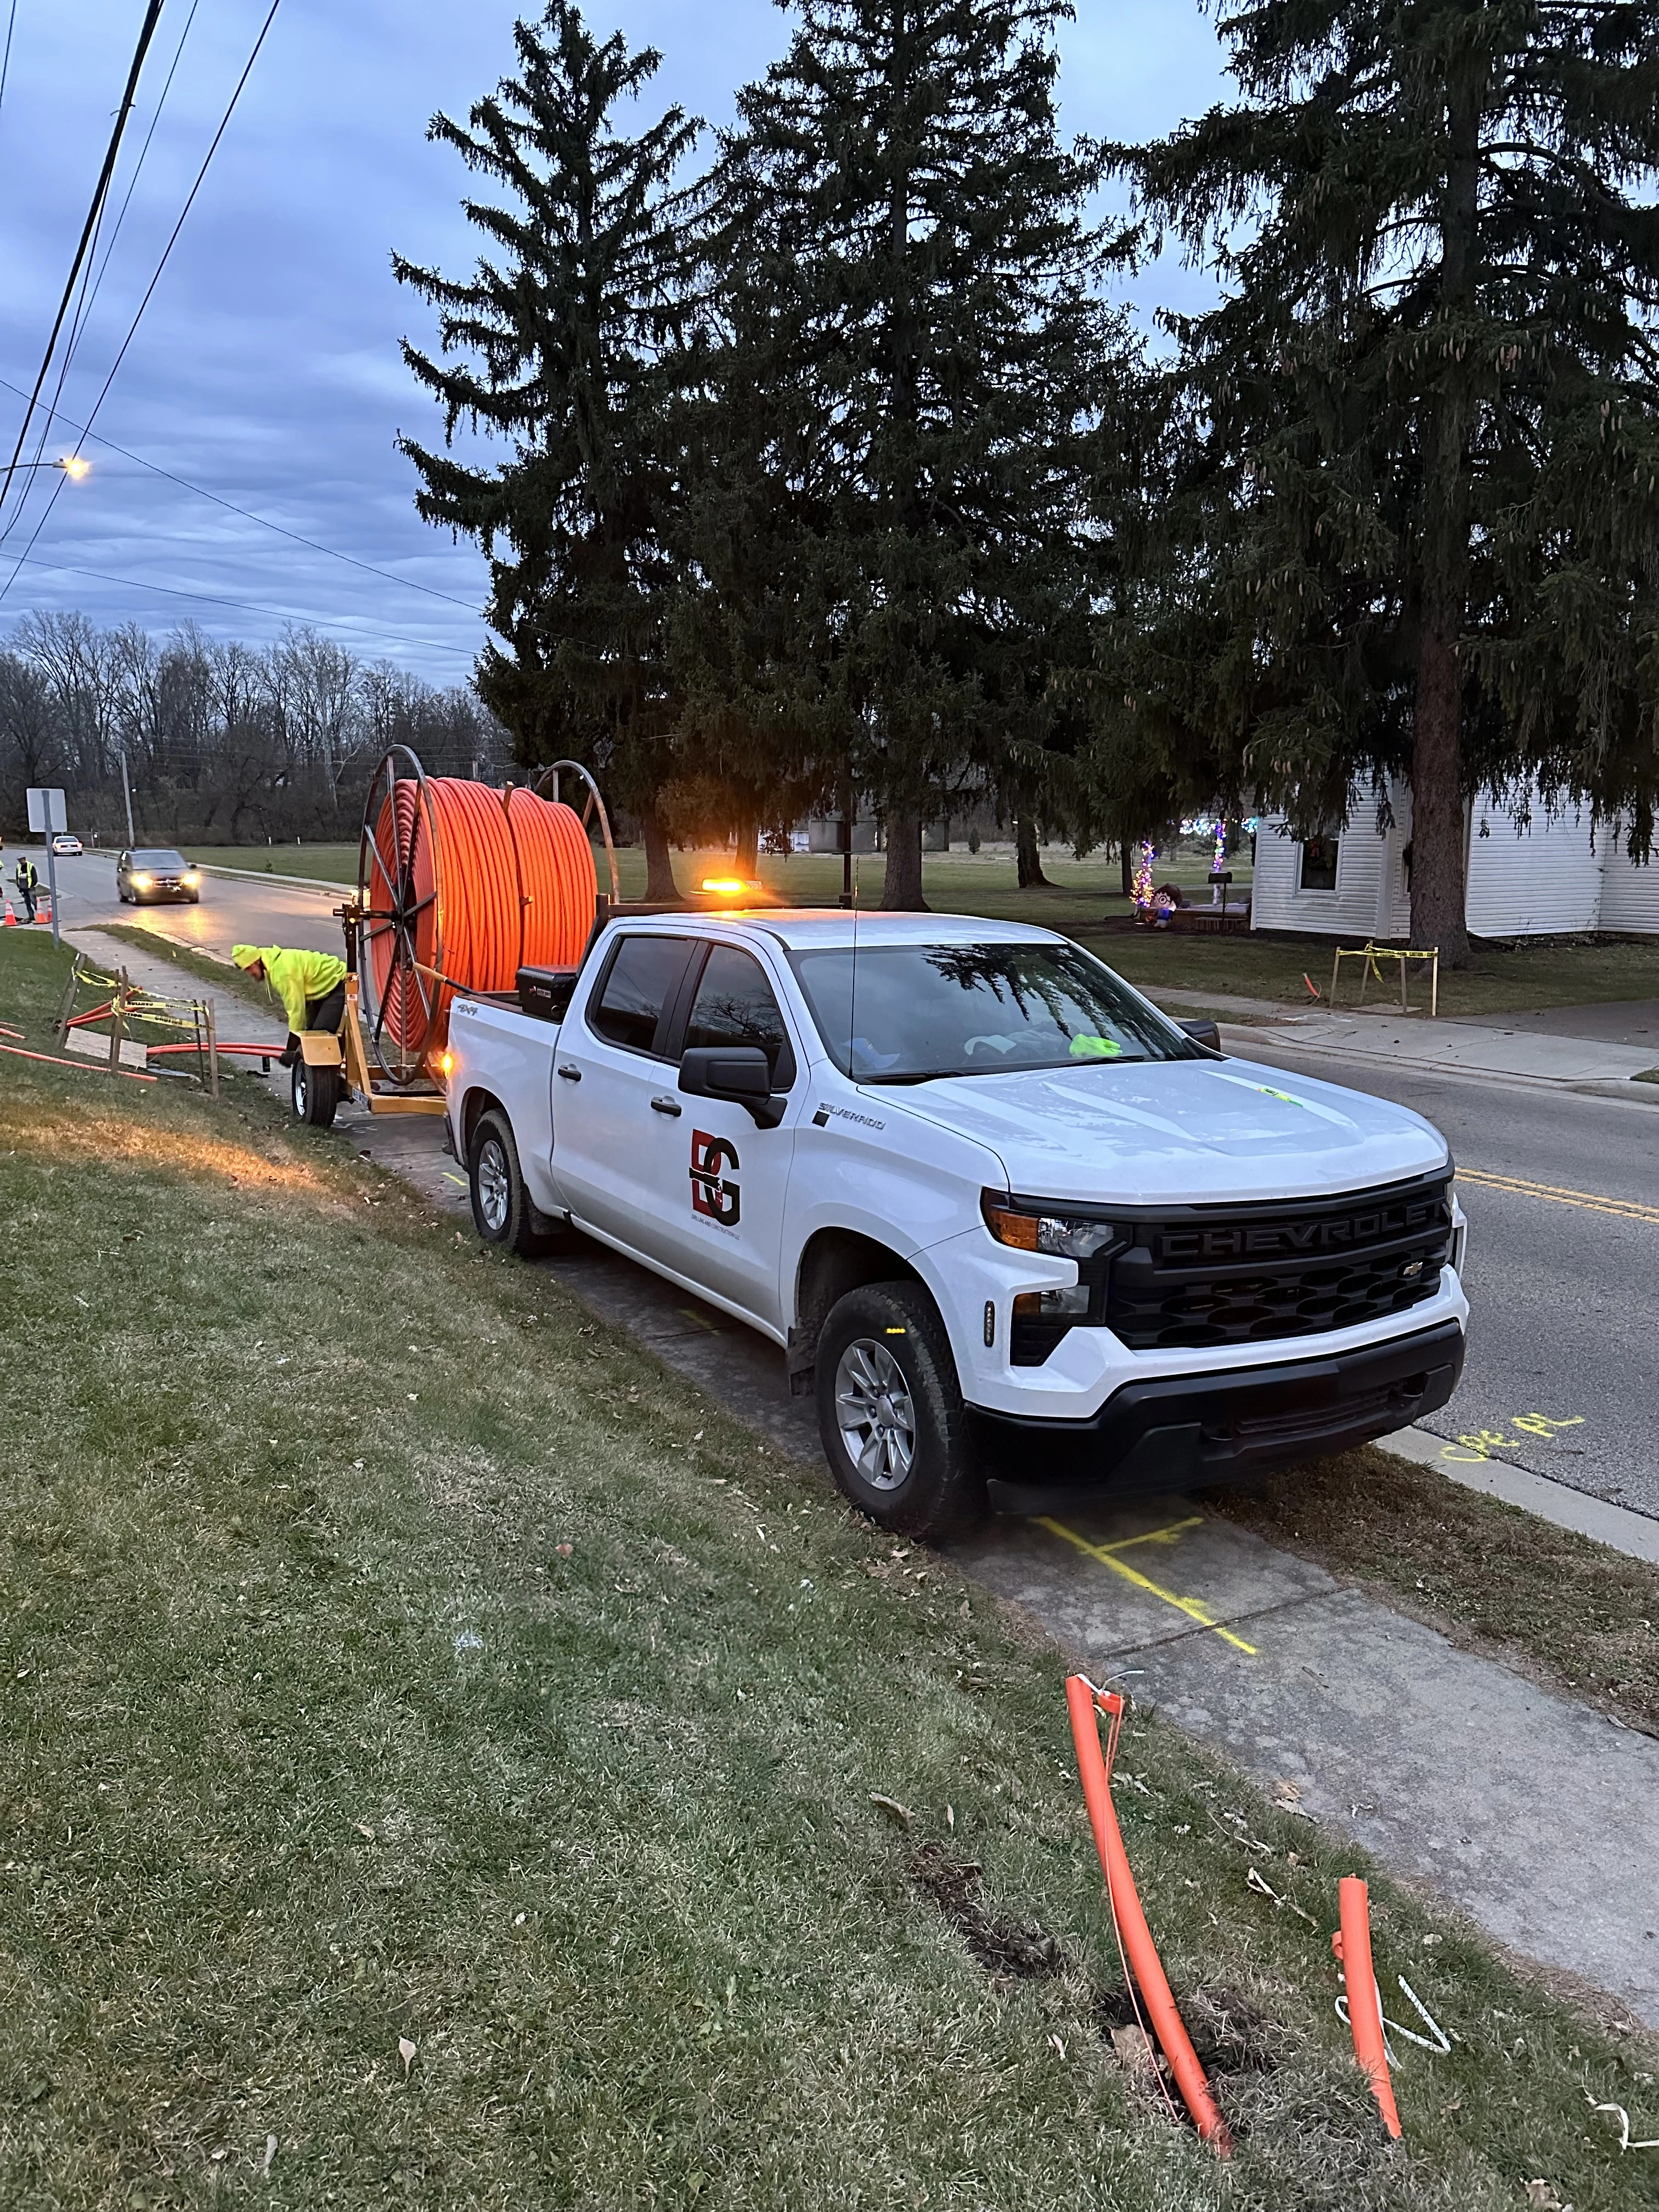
[
  {"x": 157, "y": 872},
  {"x": 66, "y": 848}
]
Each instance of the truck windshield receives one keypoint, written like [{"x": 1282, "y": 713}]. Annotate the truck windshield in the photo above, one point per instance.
[{"x": 916, "y": 1011}]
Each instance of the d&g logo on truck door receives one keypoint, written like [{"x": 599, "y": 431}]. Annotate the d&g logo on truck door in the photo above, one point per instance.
[{"x": 711, "y": 1195}]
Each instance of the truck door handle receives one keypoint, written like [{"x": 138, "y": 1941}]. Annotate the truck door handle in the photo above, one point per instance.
[
  {"x": 669, "y": 1106},
  {"x": 571, "y": 1074}
]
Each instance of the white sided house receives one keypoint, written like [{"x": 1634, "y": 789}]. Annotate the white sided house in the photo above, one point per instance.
[{"x": 1551, "y": 877}]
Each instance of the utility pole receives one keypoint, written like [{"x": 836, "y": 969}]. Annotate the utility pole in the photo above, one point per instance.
[{"x": 126, "y": 793}]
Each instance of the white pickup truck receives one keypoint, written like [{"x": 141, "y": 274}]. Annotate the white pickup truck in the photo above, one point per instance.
[{"x": 1029, "y": 1242}]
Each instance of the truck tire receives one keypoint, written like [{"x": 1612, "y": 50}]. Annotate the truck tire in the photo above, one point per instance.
[
  {"x": 891, "y": 1413},
  {"x": 314, "y": 1094},
  {"x": 503, "y": 1212}
]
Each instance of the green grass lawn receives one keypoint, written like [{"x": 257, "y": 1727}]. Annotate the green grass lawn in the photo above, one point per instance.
[
  {"x": 330, "y": 864},
  {"x": 436, "y": 1739}
]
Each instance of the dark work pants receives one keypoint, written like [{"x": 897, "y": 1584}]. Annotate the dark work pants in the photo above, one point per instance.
[
  {"x": 28, "y": 893},
  {"x": 327, "y": 1013}
]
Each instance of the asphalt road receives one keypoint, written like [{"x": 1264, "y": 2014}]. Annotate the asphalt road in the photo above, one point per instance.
[
  {"x": 1565, "y": 1291},
  {"x": 1561, "y": 1374},
  {"x": 231, "y": 912}
]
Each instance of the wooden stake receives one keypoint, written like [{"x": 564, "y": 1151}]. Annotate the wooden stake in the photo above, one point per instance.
[
  {"x": 116, "y": 1025},
  {"x": 213, "y": 1047},
  {"x": 66, "y": 1006}
]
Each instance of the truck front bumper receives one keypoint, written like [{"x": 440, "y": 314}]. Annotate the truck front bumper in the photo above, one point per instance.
[{"x": 1179, "y": 1432}]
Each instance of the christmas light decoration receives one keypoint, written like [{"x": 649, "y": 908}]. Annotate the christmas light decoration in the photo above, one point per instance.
[{"x": 1143, "y": 887}]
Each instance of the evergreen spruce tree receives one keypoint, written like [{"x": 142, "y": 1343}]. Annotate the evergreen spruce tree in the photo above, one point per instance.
[
  {"x": 1418, "y": 531},
  {"x": 913, "y": 293},
  {"x": 569, "y": 346}
]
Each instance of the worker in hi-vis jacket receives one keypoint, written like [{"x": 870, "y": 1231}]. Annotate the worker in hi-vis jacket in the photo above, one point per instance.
[{"x": 311, "y": 986}]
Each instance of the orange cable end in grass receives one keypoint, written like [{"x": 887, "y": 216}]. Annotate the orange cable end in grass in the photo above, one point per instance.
[
  {"x": 1352, "y": 1944},
  {"x": 1140, "y": 1953}
]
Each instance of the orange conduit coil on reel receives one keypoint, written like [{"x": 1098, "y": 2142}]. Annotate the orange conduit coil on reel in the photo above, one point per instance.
[{"x": 461, "y": 885}]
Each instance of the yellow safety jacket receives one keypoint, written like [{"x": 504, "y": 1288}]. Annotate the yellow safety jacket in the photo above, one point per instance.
[{"x": 298, "y": 978}]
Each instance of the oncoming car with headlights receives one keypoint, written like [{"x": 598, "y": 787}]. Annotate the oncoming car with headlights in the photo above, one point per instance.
[
  {"x": 1029, "y": 1242},
  {"x": 150, "y": 874}
]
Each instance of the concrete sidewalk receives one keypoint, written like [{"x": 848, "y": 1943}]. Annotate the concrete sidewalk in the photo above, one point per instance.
[{"x": 1445, "y": 1047}]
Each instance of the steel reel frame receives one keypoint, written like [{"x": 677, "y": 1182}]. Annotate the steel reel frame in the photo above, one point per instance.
[{"x": 390, "y": 907}]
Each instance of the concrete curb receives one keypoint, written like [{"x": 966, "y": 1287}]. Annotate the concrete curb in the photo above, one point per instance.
[{"x": 1616, "y": 1525}]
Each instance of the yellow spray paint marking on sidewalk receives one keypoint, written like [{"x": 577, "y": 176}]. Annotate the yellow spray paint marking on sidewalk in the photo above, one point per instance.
[
  {"x": 1107, "y": 1556},
  {"x": 1627, "y": 1209}
]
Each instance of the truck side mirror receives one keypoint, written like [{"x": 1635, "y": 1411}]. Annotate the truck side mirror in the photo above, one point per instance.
[
  {"x": 739, "y": 1072},
  {"x": 1202, "y": 1032}
]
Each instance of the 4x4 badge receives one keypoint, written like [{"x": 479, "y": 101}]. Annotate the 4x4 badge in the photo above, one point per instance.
[{"x": 711, "y": 1195}]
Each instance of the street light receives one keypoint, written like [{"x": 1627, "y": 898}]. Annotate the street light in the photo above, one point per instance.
[{"x": 74, "y": 466}]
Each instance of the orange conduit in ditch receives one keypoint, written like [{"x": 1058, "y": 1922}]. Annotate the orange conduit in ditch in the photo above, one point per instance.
[
  {"x": 1140, "y": 1953},
  {"x": 1352, "y": 1945},
  {"x": 81, "y": 1066},
  {"x": 511, "y": 883}
]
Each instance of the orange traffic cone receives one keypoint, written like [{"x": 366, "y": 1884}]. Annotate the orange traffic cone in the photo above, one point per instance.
[
  {"x": 43, "y": 912},
  {"x": 12, "y": 918}
]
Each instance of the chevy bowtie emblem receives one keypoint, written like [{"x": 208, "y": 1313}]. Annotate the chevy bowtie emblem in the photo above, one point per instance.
[{"x": 1412, "y": 1267}]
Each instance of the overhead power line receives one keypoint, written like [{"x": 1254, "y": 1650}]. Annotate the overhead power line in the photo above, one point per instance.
[
  {"x": 167, "y": 251},
  {"x": 314, "y": 545},
  {"x": 5, "y": 60},
  {"x": 248, "y": 606},
  {"x": 147, "y": 32},
  {"x": 92, "y": 281}
]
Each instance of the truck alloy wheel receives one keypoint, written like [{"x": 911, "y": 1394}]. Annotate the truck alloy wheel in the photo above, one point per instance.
[
  {"x": 874, "y": 1414},
  {"x": 891, "y": 1413},
  {"x": 494, "y": 1186},
  {"x": 503, "y": 1212}
]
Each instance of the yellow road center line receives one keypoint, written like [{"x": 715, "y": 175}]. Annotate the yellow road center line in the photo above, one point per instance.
[
  {"x": 1626, "y": 1209},
  {"x": 458, "y": 1181},
  {"x": 1189, "y": 1605}
]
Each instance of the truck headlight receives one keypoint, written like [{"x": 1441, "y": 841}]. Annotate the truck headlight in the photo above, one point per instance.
[{"x": 1063, "y": 1236}]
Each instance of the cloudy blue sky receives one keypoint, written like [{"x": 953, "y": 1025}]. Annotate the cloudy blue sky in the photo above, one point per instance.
[{"x": 266, "y": 368}]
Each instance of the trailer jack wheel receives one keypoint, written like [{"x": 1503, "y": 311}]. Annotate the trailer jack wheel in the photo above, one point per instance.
[{"x": 315, "y": 1092}]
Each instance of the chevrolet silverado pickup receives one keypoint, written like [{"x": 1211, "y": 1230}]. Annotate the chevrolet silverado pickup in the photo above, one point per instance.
[{"x": 1028, "y": 1242}]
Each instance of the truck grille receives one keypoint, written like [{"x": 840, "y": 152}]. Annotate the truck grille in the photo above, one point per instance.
[{"x": 1203, "y": 1276}]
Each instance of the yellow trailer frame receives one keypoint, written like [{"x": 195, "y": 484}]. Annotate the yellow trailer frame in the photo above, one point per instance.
[{"x": 347, "y": 1054}]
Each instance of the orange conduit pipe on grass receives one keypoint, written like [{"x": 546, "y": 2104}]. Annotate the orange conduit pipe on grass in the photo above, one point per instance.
[
  {"x": 507, "y": 882},
  {"x": 1352, "y": 1945},
  {"x": 1140, "y": 1953}
]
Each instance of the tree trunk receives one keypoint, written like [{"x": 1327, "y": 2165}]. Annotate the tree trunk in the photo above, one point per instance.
[
  {"x": 1027, "y": 857},
  {"x": 1438, "y": 850},
  {"x": 660, "y": 884},
  {"x": 901, "y": 892},
  {"x": 1128, "y": 867},
  {"x": 1439, "y": 855},
  {"x": 748, "y": 854}
]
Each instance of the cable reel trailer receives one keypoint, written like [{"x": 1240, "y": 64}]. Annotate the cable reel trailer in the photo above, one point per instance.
[{"x": 460, "y": 885}]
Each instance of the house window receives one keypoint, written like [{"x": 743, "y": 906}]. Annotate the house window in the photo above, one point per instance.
[{"x": 1319, "y": 864}]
